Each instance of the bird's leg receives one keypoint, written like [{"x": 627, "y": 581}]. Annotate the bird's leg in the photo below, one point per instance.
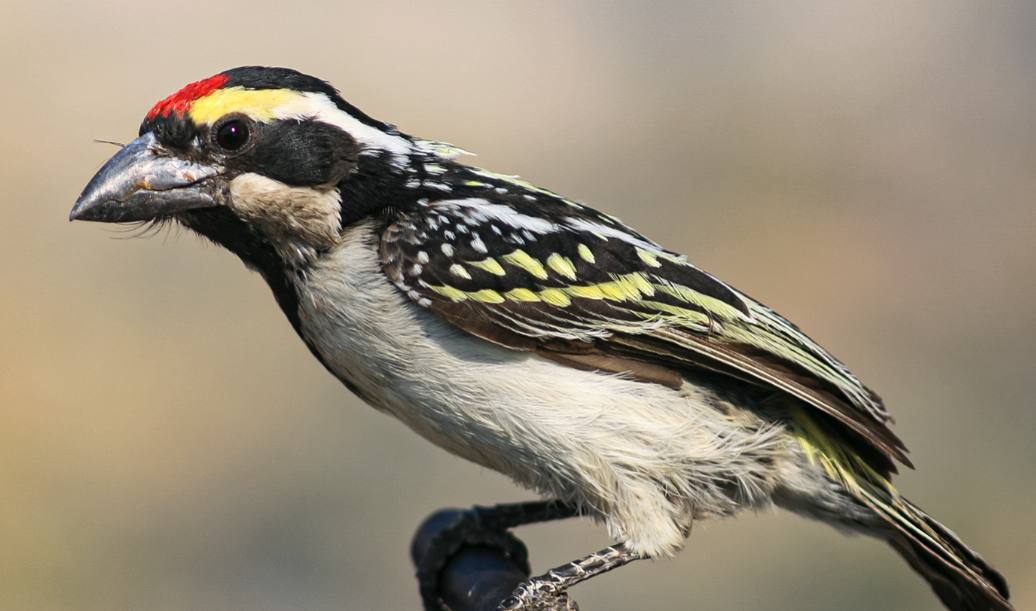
[
  {"x": 446, "y": 533},
  {"x": 547, "y": 590}
]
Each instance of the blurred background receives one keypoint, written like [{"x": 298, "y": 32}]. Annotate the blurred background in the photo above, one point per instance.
[{"x": 866, "y": 168}]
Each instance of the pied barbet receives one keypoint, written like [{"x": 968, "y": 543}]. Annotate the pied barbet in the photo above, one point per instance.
[{"x": 524, "y": 331}]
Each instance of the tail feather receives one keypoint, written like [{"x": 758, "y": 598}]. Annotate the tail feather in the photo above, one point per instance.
[{"x": 961, "y": 579}]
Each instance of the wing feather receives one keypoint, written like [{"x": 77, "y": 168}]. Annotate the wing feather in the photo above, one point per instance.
[{"x": 581, "y": 288}]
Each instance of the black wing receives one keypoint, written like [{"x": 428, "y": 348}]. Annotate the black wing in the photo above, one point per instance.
[{"x": 532, "y": 271}]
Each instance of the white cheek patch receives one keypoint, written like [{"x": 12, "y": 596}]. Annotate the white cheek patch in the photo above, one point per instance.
[
  {"x": 319, "y": 107},
  {"x": 287, "y": 214}
]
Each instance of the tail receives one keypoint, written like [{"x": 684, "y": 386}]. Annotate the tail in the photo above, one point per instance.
[{"x": 961, "y": 579}]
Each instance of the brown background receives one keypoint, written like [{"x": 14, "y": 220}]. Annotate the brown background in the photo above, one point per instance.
[{"x": 864, "y": 167}]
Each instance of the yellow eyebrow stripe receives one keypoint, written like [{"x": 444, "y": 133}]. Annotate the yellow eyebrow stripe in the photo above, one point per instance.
[{"x": 257, "y": 104}]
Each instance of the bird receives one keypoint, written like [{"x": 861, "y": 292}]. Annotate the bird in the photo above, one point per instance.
[{"x": 524, "y": 331}]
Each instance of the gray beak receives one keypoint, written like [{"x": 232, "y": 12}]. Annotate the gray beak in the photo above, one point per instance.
[{"x": 142, "y": 182}]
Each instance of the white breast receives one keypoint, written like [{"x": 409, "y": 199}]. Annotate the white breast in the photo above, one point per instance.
[{"x": 644, "y": 457}]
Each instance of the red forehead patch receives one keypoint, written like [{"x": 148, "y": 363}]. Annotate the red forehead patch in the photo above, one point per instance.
[{"x": 181, "y": 101}]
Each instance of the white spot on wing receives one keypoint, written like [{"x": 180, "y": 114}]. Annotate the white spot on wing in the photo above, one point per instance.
[
  {"x": 458, "y": 270},
  {"x": 503, "y": 213},
  {"x": 611, "y": 232}
]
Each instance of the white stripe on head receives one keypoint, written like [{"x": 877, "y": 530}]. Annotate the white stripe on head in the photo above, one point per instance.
[{"x": 319, "y": 107}]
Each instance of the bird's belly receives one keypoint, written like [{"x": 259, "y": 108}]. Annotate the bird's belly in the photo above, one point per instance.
[{"x": 645, "y": 457}]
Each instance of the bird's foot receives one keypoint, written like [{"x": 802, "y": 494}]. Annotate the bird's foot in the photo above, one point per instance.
[{"x": 548, "y": 592}]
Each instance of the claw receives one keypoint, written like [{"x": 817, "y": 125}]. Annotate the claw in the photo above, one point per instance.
[{"x": 549, "y": 592}]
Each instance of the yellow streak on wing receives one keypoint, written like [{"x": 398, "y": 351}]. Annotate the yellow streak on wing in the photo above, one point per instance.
[
  {"x": 689, "y": 317},
  {"x": 628, "y": 287},
  {"x": 640, "y": 282},
  {"x": 709, "y": 304},
  {"x": 763, "y": 338},
  {"x": 449, "y": 292},
  {"x": 861, "y": 480},
  {"x": 587, "y": 254},
  {"x": 490, "y": 265},
  {"x": 522, "y": 259},
  {"x": 648, "y": 258},
  {"x": 586, "y": 292},
  {"x": 808, "y": 357},
  {"x": 616, "y": 291},
  {"x": 256, "y": 104},
  {"x": 562, "y": 265},
  {"x": 555, "y": 297},
  {"x": 840, "y": 464},
  {"x": 486, "y": 296},
  {"x": 521, "y": 294}
]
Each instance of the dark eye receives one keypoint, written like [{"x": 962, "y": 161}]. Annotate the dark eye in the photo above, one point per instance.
[{"x": 232, "y": 135}]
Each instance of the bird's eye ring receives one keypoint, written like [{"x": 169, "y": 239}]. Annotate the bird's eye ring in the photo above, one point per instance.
[{"x": 233, "y": 135}]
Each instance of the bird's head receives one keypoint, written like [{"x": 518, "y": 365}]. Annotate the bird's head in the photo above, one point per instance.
[{"x": 253, "y": 158}]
